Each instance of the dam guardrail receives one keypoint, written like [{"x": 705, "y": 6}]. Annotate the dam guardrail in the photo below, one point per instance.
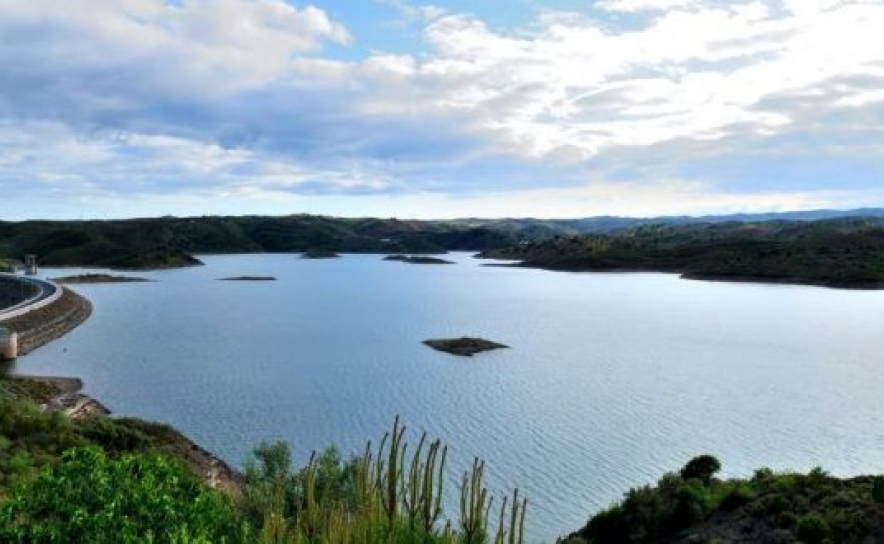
[{"x": 48, "y": 293}]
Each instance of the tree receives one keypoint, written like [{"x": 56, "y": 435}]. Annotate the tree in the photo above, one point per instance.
[{"x": 702, "y": 468}]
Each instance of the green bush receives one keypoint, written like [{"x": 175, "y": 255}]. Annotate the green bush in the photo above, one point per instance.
[
  {"x": 609, "y": 525},
  {"x": 813, "y": 529},
  {"x": 113, "y": 436},
  {"x": 736, "y": 497},
  {"x": 702, "y": 468},
  {"x": 775, "y": 504},
  {"x": 88, "y": 497}
]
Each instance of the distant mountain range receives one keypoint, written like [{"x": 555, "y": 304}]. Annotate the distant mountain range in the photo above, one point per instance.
[{"x": 609, "y": 224}]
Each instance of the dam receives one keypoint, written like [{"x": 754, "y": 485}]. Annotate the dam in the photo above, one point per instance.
[{"x": 21, "y": 295}]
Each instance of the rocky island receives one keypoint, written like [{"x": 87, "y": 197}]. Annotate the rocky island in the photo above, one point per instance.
[
  {"x": 464, "y": 346},
  {"x": 248, "y": 278},
  {"x": 98, "y": 278},
  {"x": 414, "y": 259},
  {"x": 319, "y": 254}
]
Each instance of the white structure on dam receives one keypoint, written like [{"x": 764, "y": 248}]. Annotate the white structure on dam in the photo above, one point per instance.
[{"x": 8, "y": 344}]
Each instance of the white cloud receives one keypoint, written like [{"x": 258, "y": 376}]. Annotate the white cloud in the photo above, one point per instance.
[
  {"x": 237, "y": 96},
  {"x": 199, "y": 45},
  {"x": 632, "y": 6},
  {"x": 415, "y": 12}
]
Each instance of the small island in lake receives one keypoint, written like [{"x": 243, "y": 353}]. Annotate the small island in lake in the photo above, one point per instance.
[
  {"x": 98, "y": 278},
  {"x": 464, "y": 346},
  {"x": 416, "y": 259},
  {"x": 248, "y": 278},
  {"x": 319, "y": 254}
]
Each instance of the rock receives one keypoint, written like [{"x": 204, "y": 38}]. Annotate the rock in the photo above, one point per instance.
[
  {"x": 248, "y": 278},
  {"x": 319, "y": 254},
  {"x": 412, "y": 259},
  {"x": 78, "y": 406},
  {"x": 464, "y": 347},
  {"x": 98, "y": 278}
]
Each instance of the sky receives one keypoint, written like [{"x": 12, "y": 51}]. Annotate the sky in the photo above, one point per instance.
[{"x": 394, "y": 108}]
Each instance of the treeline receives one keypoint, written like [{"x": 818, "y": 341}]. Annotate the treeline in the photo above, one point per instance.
[
  {"x": 842, "y": 251},
  {"x": 838, "y": 252},
  {"x": 172, "y": 242}
]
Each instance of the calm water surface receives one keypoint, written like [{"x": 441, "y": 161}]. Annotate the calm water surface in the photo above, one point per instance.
[{"x": 612, "y": 379}]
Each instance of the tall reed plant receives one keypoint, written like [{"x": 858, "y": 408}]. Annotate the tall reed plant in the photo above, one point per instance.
[{"x": 389, "y": 494}]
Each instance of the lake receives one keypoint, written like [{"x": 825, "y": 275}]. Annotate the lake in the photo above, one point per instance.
[{"x": 612, "y": 379}]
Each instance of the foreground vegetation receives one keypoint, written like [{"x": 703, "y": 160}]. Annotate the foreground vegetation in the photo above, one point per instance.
[
  {"x": 106, "y": 480},
  {"x": 693, "y": 506},
  {"x": 837, "y": 253}
]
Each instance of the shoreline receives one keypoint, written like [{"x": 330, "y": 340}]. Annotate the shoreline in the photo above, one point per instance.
[
  {"x": 52, "y": 322},
  {"x": 694, "y": 276},
  {"x": 41, "y": 326}
]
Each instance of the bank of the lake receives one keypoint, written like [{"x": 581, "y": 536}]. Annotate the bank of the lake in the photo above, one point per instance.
[{"x": 64, "y": 394}]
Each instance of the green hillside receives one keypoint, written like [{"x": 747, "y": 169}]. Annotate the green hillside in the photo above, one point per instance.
[{"x": 837, "y": 253}]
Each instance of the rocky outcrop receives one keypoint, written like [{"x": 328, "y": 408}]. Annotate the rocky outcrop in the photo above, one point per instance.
[
  {"x": 464, "y": 347},
  {"x": 412, "y": 259}
]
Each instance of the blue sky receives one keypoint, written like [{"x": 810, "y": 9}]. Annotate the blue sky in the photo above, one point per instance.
[{"x": 396, "y": 108}]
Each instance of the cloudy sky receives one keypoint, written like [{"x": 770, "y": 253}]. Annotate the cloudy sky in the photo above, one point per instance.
[{"x": 554, "y": 108}]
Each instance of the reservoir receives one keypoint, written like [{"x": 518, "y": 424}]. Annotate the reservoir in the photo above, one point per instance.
[{"x": 610, "y": 381}]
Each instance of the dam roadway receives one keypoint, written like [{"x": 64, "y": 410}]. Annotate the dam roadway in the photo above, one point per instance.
[{"x": 47, "y": 293}]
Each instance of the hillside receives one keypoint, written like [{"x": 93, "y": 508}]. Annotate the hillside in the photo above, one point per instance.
[
  {"x": 171, "y": 242},
  {"x": 693, "y": 506},
  {"x": 693, "y": 245},
  {"x": 837, "y": 252}
]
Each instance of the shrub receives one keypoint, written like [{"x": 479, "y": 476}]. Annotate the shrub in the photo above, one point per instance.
[
  {"x": 775, "y": 504},
  {"x": 813, "y": 529},
  {"x": 608, "y": 525},
  {"x": 702, "y": 468},
  {"x": 88, "y": 497},
  {"x": 736, "y": 497},
  {"x": 114, "y": 436}
]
